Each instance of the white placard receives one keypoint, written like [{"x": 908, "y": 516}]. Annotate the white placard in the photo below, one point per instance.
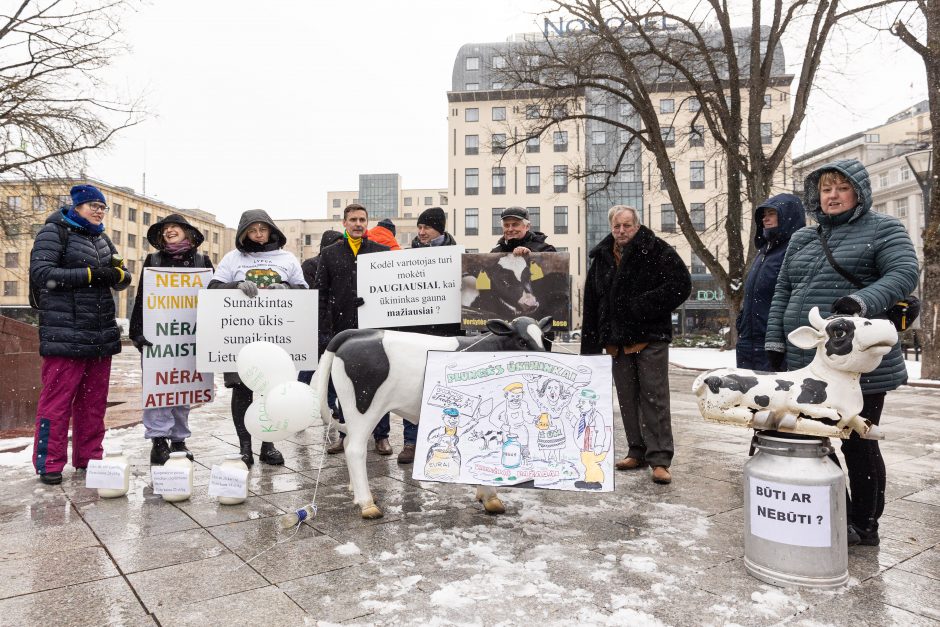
[
  {"x": 231, "y": 482},
  {"x": 790, "y": 514},
  {"x": 227, "y": 320},
  {"x": 517, "y": 417},
  {"x": 170, "y": 479},
  {"x": 405, "y": 288},
  {"x": 104, "y": 474},
  {"x": 170, "y": 377}
]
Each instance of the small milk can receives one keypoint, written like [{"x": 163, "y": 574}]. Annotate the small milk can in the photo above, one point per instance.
[
  {"x": 117, "y": 457},
  {"x": 234, "y": 461},
  {"x": 179, "y": 459},
  {"x": 794, "y": 512}
]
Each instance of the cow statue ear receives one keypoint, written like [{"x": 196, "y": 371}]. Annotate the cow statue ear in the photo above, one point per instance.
[
  {"x": 499, "y": 327},
  {"x": 806, "y": 338},
  {"x": 545, "y": 324}
]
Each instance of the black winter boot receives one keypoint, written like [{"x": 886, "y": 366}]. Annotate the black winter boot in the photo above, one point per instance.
[
  {"x": 180, "y": 447},
  {"x": 245, "y": 450},
  {"x": 159, "y": 452},
  {"x": 270, "y": 455}
]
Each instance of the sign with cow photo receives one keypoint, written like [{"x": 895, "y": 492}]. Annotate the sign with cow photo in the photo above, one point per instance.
[
  {"x": 526, "y": 419},
  {"x": 501, "y": 285},
  {"x": 404, "y": 288}
]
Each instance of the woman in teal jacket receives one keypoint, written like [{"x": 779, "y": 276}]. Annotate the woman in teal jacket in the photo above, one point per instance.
[{"x": 876, "y": 249}]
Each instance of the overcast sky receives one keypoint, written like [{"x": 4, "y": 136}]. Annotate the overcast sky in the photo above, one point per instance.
[{"x": 270, "y": 105}]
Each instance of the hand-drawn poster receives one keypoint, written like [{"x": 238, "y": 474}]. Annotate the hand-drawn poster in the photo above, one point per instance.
[
  {"x": 539, "y": 419},
  {"x": 501, "y": 285}
]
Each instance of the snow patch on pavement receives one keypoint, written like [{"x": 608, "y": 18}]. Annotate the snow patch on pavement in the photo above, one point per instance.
[{"x": 349, "y": 548}]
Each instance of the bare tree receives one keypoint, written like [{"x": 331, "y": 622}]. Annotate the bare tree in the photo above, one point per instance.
[
  {"x": 53, "y": 110},
  {"x": 634, "y": 51},
  {"x": 927, "y": 14}
]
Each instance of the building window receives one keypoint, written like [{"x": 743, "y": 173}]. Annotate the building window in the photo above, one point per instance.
[
  {"x": 499, "y": 114},
  {"x": 498, "y": 141},
  {"x": 131, "y": 240},
  {"x": 408, "y": 199},
  {"x": 599, "y": 138},
  {"x": 215, "y": 237},
  {"x": 499, "y": 180},
  {"x": 532, "y": 144},
  {"x": 442, "y": 200},
  {"x": 766, "y": 133},
  {"x": 532, "y": 112},
  {"x": 337, "y": 203},
  {"x": 697, "y": 266},
  {"x": 308, "y": 239},
  {"x": 428, "y": 200},
  {"x": 471, "y": 181},
  {"x": 697, "y": 135},
  {"x": 560, "y": 141},
  {"x": 14, "y": 203},
  {"x": 561, "y": 220},
  {"x": 471, "y": 115},
  {"x": 879, "y": 208},
  {"x": 497, "y": 220},
  {"x": 625, "y": 110},
  {"x": 533, "y": 183},
  {"x": 697, "y": 214},
  {"x": 667, "y": 105},
  {"x": 471, "y": 144},
  {"x": 768, "y": 99},
  {"x": 471, "y": 221},
  {"x": 599, "y": 110},
  {"x": 473, "y": 63},
  {"x": 872, "y": 138},
  {"x": 472, "y": 87},
  {"x": 39, "y": 203},
  {"x": 498, "y": 84},
  {"x": 499, "y": 63},
  {"x": 215, "y": 259},
  {"x": 901, "y": 208},
  {"x": 132, "y": 214},
  {"x": 694, "y": 104},
  {"x": 146, "y": 243},
  {"x": 628, "y": 173},
  {"x": 131, "y": 266},
  {"x": 9, "y": 288},
  {"x": 535, "y": 218},
  {"x": 697, "y": 174},
  {"x": 146, "y": 217},
  {"x": 905, "y": 173},
  {"x": 11, "y": 260},
  {"x": 116, "y": 237},
  {"x": 559, "y": 111},
  {"x": 116, "y": 210},
  {"x": 883, "y": 180},
  {"x": 561, "y": 178},
  {"x": 668, "y": 218},
  {"x": 668, "y": 134}
]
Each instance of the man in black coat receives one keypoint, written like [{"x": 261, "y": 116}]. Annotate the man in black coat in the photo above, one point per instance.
[
  {"x": 517, "y": 237},
  {"x": 339, "y": 301},
  {"x": 635, "y": 282}
]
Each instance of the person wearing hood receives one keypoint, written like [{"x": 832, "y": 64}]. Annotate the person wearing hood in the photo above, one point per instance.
[
  {"x": 177, "y": 243},
  {"x": 384, "y": 233},
  {"x": 777, "y": 218},
  {"x": 259, "y": 261},
  {"x": 517, "y": 237},
  {"x": 635, "y": 281},
  {"x": 75, "y": 266},
  {"x": 878, "y": 250}
]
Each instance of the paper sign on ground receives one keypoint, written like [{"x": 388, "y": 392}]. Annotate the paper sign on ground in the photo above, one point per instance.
[
  {"x": 404, "y": 288},
  {"x": 544, "y": 418},
  {"x": 790, "y": 514},
  {"x": 227, "y": 320},
  {"x": 228, "y": 482},
  {"x": 170, "y": 377},
  {"x": 105, "y": 474},
  {"x": 170, "y": 479}
]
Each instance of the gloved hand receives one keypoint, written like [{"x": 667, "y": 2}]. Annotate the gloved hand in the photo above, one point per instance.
[
  {"x": 106, "y": 277},
  {"x": 846, "y": 306},
  {"x": 279, "y": 286},
  {"x": 776, "y": 360},
  {"x": 359, "y": 302},
  {"x": 248, "y": 288},
  {"x": 140, "y": 341}
]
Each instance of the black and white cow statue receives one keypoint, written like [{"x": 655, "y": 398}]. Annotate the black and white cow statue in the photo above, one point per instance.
[
  {"x": 376, "y": 372},
  {"x": 822, "y": 399}
]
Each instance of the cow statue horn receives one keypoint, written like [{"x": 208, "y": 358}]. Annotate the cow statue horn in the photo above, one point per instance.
[{"x": 818, "y": 322}]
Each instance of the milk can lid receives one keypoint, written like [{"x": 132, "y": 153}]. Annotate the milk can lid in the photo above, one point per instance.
[
  {"x": 233, "y": 456},
  {"x": 178, "y": 454},
  {"x": 114, "y": 452}
]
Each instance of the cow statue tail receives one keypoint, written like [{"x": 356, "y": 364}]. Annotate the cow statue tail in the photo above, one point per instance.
[{"x": 323, "y": 386}]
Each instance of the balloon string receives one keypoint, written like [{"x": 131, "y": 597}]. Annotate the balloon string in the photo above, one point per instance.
[{"x": 288, "y": 539}]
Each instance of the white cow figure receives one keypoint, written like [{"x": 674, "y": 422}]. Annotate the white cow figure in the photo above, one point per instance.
[
  {"x": 376, "y": 372},
  {"x": 822, "y": 399}
]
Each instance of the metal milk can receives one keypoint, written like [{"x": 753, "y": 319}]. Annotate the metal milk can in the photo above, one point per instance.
[{"x": 794, "y": 512}]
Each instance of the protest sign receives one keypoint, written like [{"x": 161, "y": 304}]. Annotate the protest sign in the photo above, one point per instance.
[
  {"x": 405, "y": 288},
  {"x": 170, "y": 376},
  {"x": 105, "y": 474},
  {"x": 228, "y": 320},
  {"x": 790, "y": 514},
  {"x": 544, "y": 419},
  {"x": 501, "y": 285}
]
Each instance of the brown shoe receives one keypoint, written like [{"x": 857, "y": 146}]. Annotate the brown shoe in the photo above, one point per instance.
[
  {"x": 630, "y": 463},
  {"x": 661, "y": 474},
  {"x": 335, "y": 447},
  {"x": 382, "y": 447},
  {"x": 407, "y": 455}
]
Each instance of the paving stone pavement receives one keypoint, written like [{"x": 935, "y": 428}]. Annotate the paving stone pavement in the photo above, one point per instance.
[{"x": 645, "y": 554}]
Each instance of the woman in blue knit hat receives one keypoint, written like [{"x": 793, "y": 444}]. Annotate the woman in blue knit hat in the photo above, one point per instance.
[{"x": 74, "y": 267}]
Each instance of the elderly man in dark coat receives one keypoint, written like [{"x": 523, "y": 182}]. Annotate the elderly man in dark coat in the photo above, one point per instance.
[{"x": 635, "y": 282}]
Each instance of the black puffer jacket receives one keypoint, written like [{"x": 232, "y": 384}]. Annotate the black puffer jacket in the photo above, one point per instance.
[
  {"x": 533, "y": 240},
  {"x": 633, "y": 302},
  {"x": 76, "y": 319}
]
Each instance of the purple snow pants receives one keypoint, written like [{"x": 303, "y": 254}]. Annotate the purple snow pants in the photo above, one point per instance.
[{"x": 77, "y": 390}]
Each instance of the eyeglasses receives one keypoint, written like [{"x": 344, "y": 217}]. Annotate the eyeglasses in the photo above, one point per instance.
[{"x": 97, "y": 207}]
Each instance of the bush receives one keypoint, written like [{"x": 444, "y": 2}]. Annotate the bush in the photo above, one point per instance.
[{"x": 699, "y": 341}]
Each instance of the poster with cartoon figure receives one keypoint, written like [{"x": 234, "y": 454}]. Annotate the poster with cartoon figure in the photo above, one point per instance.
[{"x": 527, "y": 419}]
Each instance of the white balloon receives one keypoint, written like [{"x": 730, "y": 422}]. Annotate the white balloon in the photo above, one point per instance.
[
  {"x": 262, "y": 365},
  {"x": 261, "y": 427},
  {"x": 294, "y": 402}
]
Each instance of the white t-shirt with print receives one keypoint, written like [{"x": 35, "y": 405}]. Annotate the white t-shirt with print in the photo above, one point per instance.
[{"x": 263, "y": 268}]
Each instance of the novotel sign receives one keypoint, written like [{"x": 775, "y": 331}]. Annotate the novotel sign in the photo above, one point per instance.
[{"x": 614, "y": 23}]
